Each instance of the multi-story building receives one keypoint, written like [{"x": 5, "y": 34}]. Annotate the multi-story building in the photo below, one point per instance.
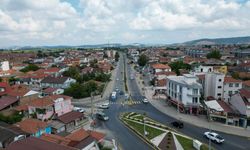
[
  {"x": 214, "y": 85},
  {"x": 185, "y": 92},
  {"x": 231, "y": 86}
]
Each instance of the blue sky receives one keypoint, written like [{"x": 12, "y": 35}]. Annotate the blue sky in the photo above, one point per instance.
[{"x": 78, "y": 22}]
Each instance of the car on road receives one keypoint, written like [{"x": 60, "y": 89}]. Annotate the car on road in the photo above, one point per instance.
[
  {"x": 121, "y": 92},
  {"x": 214, "y": 137},
  {"x": 102, "y": 116},
  {"x": 145, "y": 101},
  {"x": 104, "y": 106},
  {"x": 79, "y": 109},
  {"x": 177, "y": 124},
  {"x": 117, "y": 79}
]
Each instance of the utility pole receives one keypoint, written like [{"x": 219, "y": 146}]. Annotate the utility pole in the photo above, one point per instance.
[
  {"x": 209, "y": 144},
  {"x": 92, "y": 107}
]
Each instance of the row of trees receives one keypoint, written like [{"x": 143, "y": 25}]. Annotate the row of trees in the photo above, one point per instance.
[
  {"x": 176, "y": 66},
  {"x": 30, "y": 67}
]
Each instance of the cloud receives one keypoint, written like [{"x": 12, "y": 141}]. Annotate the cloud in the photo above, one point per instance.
[{"x": 98, "y": 21}]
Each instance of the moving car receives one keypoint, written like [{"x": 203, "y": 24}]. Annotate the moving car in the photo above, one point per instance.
[
  {"x": 214, "y": 137},
  {"x": 145, "y": 101},
  {"x": 79, "y": 109},
  {"x": 102, "y": 116},
  {"x": 177, "y": 124},
  {"x": 104, "y": 106}
]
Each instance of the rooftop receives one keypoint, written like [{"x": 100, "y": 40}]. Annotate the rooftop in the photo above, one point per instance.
[
  {"x": 31, "y": 125},
  {"x": 70, "y": 116}
]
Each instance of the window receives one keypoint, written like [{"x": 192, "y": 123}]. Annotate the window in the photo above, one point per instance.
[
  {"x": 235, "y": 92},
  {"x": 219, "y": 87},
  {"x": 195, "y": 99},
  {"x": 219, "y": 80},
  {"x": 219, "y": 94},
  {"x": 195, "y": 91},
  {"x": 230, "y": 84},
  {"x": 236, "y": 84},
  {"x": 230, "y": 92}
]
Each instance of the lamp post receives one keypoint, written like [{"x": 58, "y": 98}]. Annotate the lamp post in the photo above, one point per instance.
[
  {"x": 144, "y": 125},
  {"x": 209, "y": 126}
]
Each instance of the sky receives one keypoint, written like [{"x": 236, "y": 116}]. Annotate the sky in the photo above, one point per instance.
[{"x": 81, "y": 22}]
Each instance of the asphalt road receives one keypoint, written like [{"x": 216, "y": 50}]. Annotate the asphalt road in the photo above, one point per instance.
[{"x": 129, "y": 141}]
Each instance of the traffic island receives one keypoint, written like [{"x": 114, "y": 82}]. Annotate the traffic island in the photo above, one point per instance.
[{"x": 157, "y": 135}]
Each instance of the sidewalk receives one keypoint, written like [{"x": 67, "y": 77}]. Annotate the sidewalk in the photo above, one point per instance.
[{"x": 199, "y": 121}]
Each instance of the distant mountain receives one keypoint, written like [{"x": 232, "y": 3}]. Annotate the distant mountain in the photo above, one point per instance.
[{"x": 227, "y": 41}]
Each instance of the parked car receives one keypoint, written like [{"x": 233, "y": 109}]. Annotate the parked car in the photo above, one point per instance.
[
  {"x": 145, "y": 101},
  {"x": 102, "y": 116},
  {"x": 214, "y": 137},
  {"x": 79, "y": 109},
  {"x": 121, "y": 92},
  {"x": 177, "y": 124},
  {"x": 104, "y": 106}
]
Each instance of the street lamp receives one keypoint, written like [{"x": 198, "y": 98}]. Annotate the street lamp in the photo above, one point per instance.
[
  {"x": 209, "y": 126},
  {"x": 144, "y": 125}
]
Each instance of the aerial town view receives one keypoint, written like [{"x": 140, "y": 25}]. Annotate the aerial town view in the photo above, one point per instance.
[{"x": 124, "y": 74}]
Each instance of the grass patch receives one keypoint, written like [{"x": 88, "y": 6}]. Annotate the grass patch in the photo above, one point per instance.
[
  {"x": 140, "y": 128},
  {"x": 185, "y": 143},
  {"x": 139, "y": 117}
]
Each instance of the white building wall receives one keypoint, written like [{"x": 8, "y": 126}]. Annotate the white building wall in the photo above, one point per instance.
[
  {"x": 4, "y": 66},
  {"x": 214, "y": 85},
  {"x": 229, "y": 90},
  {"x": 238, "y": 103}
]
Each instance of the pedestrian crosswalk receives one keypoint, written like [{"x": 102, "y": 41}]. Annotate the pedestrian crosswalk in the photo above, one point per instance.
[{"x": 125, "y": 103}]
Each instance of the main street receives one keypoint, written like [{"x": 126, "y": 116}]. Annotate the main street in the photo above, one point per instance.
[{"x": 129, "y": 141}]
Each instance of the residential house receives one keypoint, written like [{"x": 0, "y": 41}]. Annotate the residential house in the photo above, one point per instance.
[
  {"x": 52, "y": 91},
  {"x": 246, "y": 85},
  {"x": 57, "y": 82},
  {"x": 160, "y": 68},
  {"x": 4, "y": 88},
  {"x": 203, "y": 69},
  {"x": 34, "y": 127},
  {"x": 220, "y": 69},
  {"x": 33, "y": 143},
  {"x": 231, "y": 86},
  {"x": 10, "y": 134},
  {"x": 105, "y": 67},
  {"x": 72, "y": 120},
  {"x": 8, "y": 102},
  {"x": 49, "y": 106},
  {"x": 241, "y": 102},
  {"x": 23, "y": 92},
  {"x": 184, "y": 91},
  {"x": 222, "y": 112},
  {"x": 163, "y": 75}
]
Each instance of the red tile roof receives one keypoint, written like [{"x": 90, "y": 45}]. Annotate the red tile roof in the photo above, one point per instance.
[
  {"x": 231, "y": 80},
  {"x": 50, "y": 90},
  {"x": 225, "y": 106},
  {"x": 6, "y": 88},
  {"x": 245, "y": 93},
  {"x": 247, "y": 83},
  {"x": 41, "y": 102},
  {"x": 78, "y": 135},
  {"x": 56, "y": 139},
  {"x": 161, "y": 83},
  {"x": 160, "y": 66},
  {"x": 19, "y": 90},
  {"x": 70, "y": 116},
  {"x": 7, "y": 101},
  {"x": 31, "y": 125},
  {"x": 166, "y": 73},
  {"x": 96, "y": 135}
]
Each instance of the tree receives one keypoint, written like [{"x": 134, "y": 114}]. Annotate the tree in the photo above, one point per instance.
[
  {"x": 72, "y": 72},
  {"x": 143, "y": 59},
  {"x": 117, "y": 56},
  {"x": 214, "y": 54},
  {"x": 1, "y": 79},
  {"x": 30, "y": 67},
  {"x": 175, "y": 66},
  {"x": 105, "y": 55}
]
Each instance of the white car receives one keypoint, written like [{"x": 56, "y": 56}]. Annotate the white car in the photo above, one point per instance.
[
  {"x": 214, "y": 137},
  {"x": 145, "y": 100},
  {"x": 79, "y": 109},
  {"x": 104, "y": 106}
]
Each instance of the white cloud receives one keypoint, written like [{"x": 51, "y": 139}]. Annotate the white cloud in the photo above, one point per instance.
[{"x": 99, "y": 21}]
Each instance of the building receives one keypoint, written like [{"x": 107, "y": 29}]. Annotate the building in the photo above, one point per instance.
[
  {"x": 4, "y": 66},
  {"x": 160, "y": 68},
  {"x": 34, "y": 127},
  {"x": 231, "y": 86},
  {"x": 203, "y": 69},
  {"x": 185, "y": 91},
  {"x": 8, "y": 102},
  {"x": 57, "y": 82},
  {"x": 214, "y": 85},
  {"x": 220, "y": 69},
  {"x": 196, "y": 53}
]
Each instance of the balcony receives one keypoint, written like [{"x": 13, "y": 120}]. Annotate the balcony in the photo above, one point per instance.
[{"x": 193, "y": 95}]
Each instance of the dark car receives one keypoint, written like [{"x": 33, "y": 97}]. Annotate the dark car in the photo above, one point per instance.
[
  {"x": 121, "y": 93},
  {"x": 102, "y": 116},
  {"x": 177, "y": 124}
]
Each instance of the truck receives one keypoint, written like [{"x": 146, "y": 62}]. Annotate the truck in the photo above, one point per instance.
[{"x": 113, "y": 95}]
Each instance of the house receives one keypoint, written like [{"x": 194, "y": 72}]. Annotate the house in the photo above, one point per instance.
[
  {"x": 10, "y": 134},
  {"x": 57, "y": 82},
  {"x": 72, "y": 120},
  {"x": 160, "y": 68},
  {"x": 246, "y": 85},
  {"x": 33, "y": 143},
  {"x": 87, "y": 70},
  {"x": 80, "y": 139},
  {"x": 34, "y": 127},
  {"x": 4, "y": 88},
  {"x": 8, "y": 102},
  {"x": 231, "y": 86},
  {"x": 221, "y": 69},
  {"x": 49, "y": 106},
  {"x": 203, "y": 69},
  {"x": 105, "y": 67},
  {"x": 160, "y": 86},
  {"x": 52, "y": 91},
  {"x": 23, "y": 92},
  {"x": 222, "y": 112},
  {"x": 184, "y": 92},
  {"x": 241, "y": 102}
]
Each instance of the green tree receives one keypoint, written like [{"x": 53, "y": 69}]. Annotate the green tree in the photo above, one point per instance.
[
  {"x": 214, "y": 54},
  {"x": 1, "y": 80},
  {"x": 175, "y": 66},
  {"x": 30, "y": 67},
  {"x": 143, "y": 59},
  {"x": 74, "y": 73},
  {"x": 117, "y": 56}
]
